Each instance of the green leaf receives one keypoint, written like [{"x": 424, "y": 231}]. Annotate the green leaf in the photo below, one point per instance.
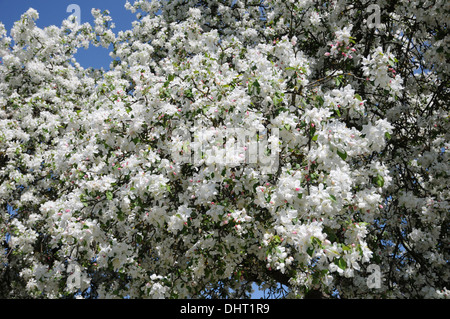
[
  {"x": 358, "y": 97},
  {"x": 280, "y": 109},
  {"x": 342, "y": 263},
  {"x": 169, "y": 79},
  {"x": 387, "y": 136},
  {"x": 316, "y": 241},
  {"x": 320, "y": 100},
  {"x": 315, "y": 137},
  {"x": 378, "y": 180},
  {"x": 342, "y": 155},
  {"x": 333, "y": 198},
  {"x": 258, "y": 87},
  {"x": 188, "y": 93},
  {"x": 276, "y": 239},
  {"x": 331, "y": 235},
  {"x": 109, "y": 195},
  {"x": 121, "y": 215}
]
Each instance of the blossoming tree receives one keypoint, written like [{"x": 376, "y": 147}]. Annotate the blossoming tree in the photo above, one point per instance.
[{"x": 124, "y": 183}]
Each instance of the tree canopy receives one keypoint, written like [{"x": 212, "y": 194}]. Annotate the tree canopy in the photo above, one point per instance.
[{"x": 293, "y": 144}]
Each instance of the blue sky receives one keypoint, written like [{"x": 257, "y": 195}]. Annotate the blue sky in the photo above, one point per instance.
[{"x": 53, "y": 12}]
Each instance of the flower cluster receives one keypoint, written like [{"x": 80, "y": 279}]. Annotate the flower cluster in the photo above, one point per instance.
[
  {"x": 378, "y": 67},
  {"x": 342, "y": 47}
]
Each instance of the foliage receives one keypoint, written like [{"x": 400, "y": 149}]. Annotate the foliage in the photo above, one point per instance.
[{"x": 91, "y": 158}]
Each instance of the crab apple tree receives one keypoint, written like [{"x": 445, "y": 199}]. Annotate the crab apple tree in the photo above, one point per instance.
[{"x": 289, "y": 144}]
